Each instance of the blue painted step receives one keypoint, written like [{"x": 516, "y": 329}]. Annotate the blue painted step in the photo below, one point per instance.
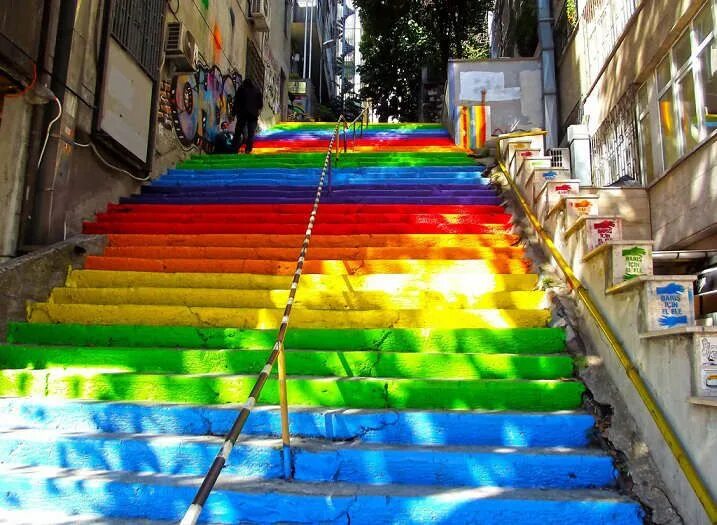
[
  {"x": 134, "y": 497},
  {"x": 370, "y": 426},
  {"x": 314, "y": 460}
]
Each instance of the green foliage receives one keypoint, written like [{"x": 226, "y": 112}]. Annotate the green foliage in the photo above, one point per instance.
[
  {"x": 402, "y": 36},
  {"x": 571, "y": 11}
]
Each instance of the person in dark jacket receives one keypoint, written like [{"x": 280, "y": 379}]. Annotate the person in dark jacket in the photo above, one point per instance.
[
  {"x": 225, "y": 141},
  {"x": 249, "y": 103}
]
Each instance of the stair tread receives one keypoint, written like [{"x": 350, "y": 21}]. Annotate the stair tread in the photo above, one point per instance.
[
  {"x": 332, "y": 488},
  {"x": 298, "y": 443}
]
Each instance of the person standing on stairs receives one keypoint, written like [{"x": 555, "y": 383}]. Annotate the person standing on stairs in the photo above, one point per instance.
[{"x": 249, "y": 103}]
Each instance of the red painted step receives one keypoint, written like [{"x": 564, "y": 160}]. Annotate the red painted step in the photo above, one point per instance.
[
  {"x": 284, "y": 229},
  {"x": 301, "y": 218}
]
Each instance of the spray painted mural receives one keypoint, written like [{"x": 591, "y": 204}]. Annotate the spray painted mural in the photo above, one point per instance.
[{"x": 200, "y": 102}]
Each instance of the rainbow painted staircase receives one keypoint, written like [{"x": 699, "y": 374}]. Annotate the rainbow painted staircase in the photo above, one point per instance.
[{"x": 425, "y": 384}]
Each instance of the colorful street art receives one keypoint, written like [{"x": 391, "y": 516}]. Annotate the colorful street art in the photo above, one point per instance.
[{"x": 200, "y": 102}]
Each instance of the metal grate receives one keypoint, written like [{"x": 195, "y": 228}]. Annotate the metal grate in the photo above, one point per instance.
[
  {"x": 559, "y": 157},
  {"x": 614, "y": 145},
  {"x": 137, "y": 27},
  {"x": 605, "y": 22},
  {"x": 254, "y": 65}
]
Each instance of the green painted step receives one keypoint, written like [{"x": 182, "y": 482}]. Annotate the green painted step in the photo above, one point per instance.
[
  {"x": 347, "y": 392},
  {"x": 494, "y": 341},
  {"x": 347, "y": 160},
  {"x": 299, "y": 362}
]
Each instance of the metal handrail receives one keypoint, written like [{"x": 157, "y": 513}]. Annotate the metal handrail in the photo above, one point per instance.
[
  {"x": 671, "y": 439},
  {"x": 195, "y": 509}
]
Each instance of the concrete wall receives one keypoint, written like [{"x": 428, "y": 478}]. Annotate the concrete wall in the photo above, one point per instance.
[
  {"x": 665, "y": 362},
  {"x": 684, "y": 210},
  {"x": 32, "y": 277},
  {"x": 513, "y": 91},
  {"x": 682, "y": 202}
]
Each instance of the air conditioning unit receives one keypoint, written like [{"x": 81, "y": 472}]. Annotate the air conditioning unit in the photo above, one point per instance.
[
  {"x": 181, "y": 48},
  {"x": 259, "y": 13}
]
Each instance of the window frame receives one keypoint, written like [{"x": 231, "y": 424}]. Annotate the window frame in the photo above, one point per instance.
[{"x": 692, "y": 66}]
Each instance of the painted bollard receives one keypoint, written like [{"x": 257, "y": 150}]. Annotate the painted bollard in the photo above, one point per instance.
[
  {"x": 668, "y": 303},
  {"x": 706, "y": 364}
]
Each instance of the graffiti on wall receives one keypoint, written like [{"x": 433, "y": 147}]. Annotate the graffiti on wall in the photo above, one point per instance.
[{"x": 200, "y": 102}]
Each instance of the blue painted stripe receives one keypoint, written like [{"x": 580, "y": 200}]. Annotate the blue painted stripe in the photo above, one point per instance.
[
  {"x": 432, "y": 466},
  {"x": 329, "y": 198},
  {"x": 389, "y": 427},
  {"x": 135, "y": 500}
]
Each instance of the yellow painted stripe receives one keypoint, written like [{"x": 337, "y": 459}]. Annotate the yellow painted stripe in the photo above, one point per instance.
[
  {"x": 306, "y": 298},
  {"x": 262, "y": 318},
  {"x": 391, "y": 283}
]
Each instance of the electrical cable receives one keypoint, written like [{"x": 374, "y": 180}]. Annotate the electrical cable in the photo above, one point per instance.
[
  {"x": 28, "y": 87},
  {"x": 108, "y": 163},
  {"x": 175, "y": 10},
  {"x": 49, "y": 127}
]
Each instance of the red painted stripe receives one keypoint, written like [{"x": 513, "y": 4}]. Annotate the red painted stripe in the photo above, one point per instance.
[
  {"x": 285, "y": 229},
  {"x": 301, "y": 218}
]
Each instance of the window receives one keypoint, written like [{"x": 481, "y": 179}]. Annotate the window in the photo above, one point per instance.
[
  {"x": 605, "y": 21},
  {"x": 686, "y": 92},
  {"x": 614, "y": 144},
  {"x": 138, "y": 28},
  {"x": 644, "y": 133}
]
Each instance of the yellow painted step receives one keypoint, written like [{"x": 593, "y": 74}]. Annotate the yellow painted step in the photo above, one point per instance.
[
  {"x": 390, "y": 283},
  {"x": 264, "y": 318},
  {"x": 306, "y": 297}
]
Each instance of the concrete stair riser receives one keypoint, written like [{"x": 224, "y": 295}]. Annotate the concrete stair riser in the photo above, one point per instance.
[
  {"x": 524, "y": 341},
  {"x": 350, "y": 392},
  {"x": 256, "y": 458},
  {"x": 318, "y": 363},
  {"x": 138, "y": 498},
  {"x": 430, "y": 428}
]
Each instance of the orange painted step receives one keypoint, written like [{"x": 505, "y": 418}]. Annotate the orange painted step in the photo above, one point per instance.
[
  {"x": 327, "y": 241},
  {"x": 315, "y": 252}
]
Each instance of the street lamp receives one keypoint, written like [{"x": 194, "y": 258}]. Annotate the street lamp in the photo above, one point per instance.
[{"x": 324, "y": 45}]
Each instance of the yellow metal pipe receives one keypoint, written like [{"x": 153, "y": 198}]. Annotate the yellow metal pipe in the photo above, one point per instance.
[{"x": 669, "y": 435}]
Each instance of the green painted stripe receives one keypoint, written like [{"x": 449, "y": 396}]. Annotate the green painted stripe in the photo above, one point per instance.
[
  {"x": 487, "y": 394},
  {"x": 493, "y": 341},
  {"x": 299, "y": 362}
]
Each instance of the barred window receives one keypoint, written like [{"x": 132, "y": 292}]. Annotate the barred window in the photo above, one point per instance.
[
  {"x": 614, "y": 145},
  {"x": 137, "y": 27},
  {"x": 605, "y": 22}
]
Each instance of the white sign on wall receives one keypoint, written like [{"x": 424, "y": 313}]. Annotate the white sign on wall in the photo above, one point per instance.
[
  {"x": 706, "y": 363},
  {"x": 473, "y": 84}
]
